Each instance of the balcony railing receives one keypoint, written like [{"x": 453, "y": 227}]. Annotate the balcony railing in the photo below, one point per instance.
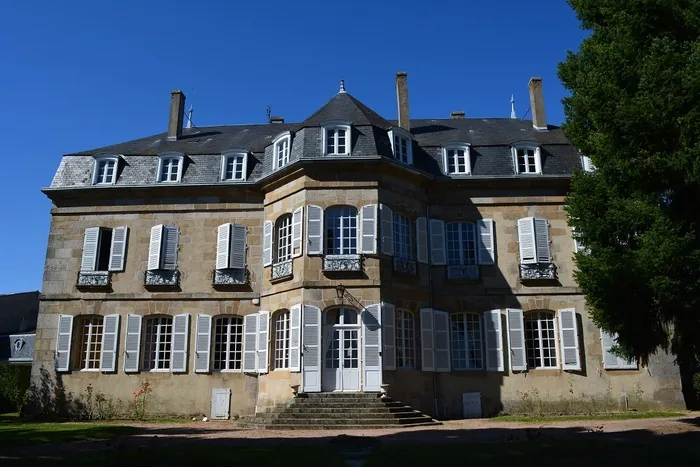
[
  {"x": 94, "y": 279},
  {"x": 458, "y": 272},
  {"x": 538, "y": 271},
  {"x": 281, "y": 270},
  {"x": 162, "y": 278},
  {"x": 342, "y": 263},
  {"x": 230, "y": 276},
  {"x": 405, "y": 266}
]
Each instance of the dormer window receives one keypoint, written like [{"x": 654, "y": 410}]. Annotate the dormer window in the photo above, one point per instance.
[
  {"x": 526, "y": 158},
  {"x": 234, "y": 166},
  {"x": 170, "y": 167},
  {"x": 105, "y": 171},
  {"x": 587, "y": 164},
  {"x": 401, "y": 145},
  {"x": 456, "y": 159},
  {"x": 281, "y": 148},
  {"x": 336, "y": 140}
]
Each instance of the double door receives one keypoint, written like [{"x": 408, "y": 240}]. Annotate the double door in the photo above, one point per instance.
[{"x": 341, "y": 371}]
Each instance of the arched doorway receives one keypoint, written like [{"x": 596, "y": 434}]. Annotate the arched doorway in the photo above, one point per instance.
[{"x": 341, "y": 350}]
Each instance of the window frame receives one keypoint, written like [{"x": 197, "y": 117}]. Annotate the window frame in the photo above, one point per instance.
[
  {"x": 159, "y": 334},
  {"x": 82, "y": 356},
  {"x": 461, "y": 250},
  {"x": 96, "y": 168},
  {"x": 180, "y": 157},
  {"x": 400, "y": 133},
  {"x": 234, "y": 153},
  {"x": 467, "y": 340},
  {"x": 347, "y": 127},
  {"x": 283, "y": 219},
  {"x": 402, "y": 240},
  {"x": 402, "y": 338},
  {"x": 353, "y": 231},
  {"x": 527, "y": 317},
  {"x": 456, "y": 146},
  {"x": 281, "y": 363},
  {"x": 228, "y": 343},
  {"x": 285, "y": 137},
  {"x": 527, "y": 146}
]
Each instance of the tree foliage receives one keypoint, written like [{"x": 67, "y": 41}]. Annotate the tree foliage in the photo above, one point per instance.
[{"x": 634, "y": 110}]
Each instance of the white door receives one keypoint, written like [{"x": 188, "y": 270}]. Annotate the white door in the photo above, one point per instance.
[{"x": 341, "y": 345}]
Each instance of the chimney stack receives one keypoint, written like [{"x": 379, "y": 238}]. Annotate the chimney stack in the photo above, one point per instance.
[
  {"x": 276, "y": 119},
  {"x": 539, "y": 118},
  {"x": 457, "y": 115},
  {"x": 177, "y": 114},
  {"x": 402, "y": 99}
]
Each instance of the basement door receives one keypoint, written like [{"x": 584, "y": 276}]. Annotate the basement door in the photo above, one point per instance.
[{"x": 341, "y": 345}]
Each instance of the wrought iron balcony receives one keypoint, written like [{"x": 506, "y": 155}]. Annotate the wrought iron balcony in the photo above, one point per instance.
[
  {"x": 94, "y": 279},
  {"x": 281, "y": 270},
  {"x": 538, "y": 271},
  {"x": 470, "y": 272},
  {"x": 405, "y": 266},
  {"x": 342, "y": 263},
  {"x": 230, "y": 276},
  {"x": 162, "y": 278}
]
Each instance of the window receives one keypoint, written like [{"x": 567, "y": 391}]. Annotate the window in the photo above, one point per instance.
[
  {"x": 105, "y": 172},
  {"x": 336, "y": 140},
  {"x": 157, "y": 343},
  {"x": 527, "y": 159},
  {"x": 540, "y": 340},
  {"x": 281, "y": 341},
  {"x": 281, "y": 150},
  {"x": 405, "y": 339},
  {"x": 403, "y": 237},
  {"x": 456, "y": 159},
  {"x": 461, "y": 244},
  {"x": 163, "y": 246},
  {"x": 89, "y": 343},
  {"x": 284, "y": 238},
  {"x": 341, "y": 230},
  {"x": 104, "y": 249},
  {"x": 170, "y": 168},
  {"x": 467, "y": 342},
  {"x": 533, "y": 239},
  {"x": 401, "y": 145},
  {"x": 228, "y": 343},
  {"x": 233, "y": 167}
]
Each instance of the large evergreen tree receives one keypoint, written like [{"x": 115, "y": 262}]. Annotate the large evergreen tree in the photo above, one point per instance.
[{"x": 634, "y": 110}]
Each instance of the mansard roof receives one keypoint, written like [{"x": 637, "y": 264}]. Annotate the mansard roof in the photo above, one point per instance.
[{"x": 343, "y": 107}]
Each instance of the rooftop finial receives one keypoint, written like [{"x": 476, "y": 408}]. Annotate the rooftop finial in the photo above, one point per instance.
[
  {"x": 342, "y": 85},
  {"x": 512, "y": 106},
  {"x": 189, "y": 117}
]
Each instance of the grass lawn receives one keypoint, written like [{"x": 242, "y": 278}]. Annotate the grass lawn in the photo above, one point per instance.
[{"x": 564, "y": 418}]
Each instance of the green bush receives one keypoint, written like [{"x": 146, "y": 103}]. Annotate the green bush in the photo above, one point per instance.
[{"x": 14, "y": 382}]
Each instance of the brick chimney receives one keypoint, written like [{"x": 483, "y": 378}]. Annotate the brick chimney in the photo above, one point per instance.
[
  {"x": 402, "y": 99},
  {"x": 539, "y": 118},
  {"x": 457, "y": 115},
  {"x": 177, "y": 114},
  {"x": 276, "y": 119}
]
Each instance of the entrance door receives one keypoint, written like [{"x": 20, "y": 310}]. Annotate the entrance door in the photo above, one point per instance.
[{"x": 341, "y": 344}]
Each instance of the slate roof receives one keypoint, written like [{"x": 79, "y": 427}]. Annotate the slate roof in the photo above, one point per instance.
[{"x": 18, "y": 312}]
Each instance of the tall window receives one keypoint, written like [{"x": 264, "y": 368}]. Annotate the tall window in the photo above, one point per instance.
[
  {"x": 157, "y": 344},
  {"x": 337, "y": 140},
  {"x": 527, "y": 160},
  {"x": 234, "y": 167},
  {"x": 401, "y": 148},
  {"x": 540, "y": 340},
  {"x": 461, "y": 244},
  {"x": 170, "y": 169},
  {"x": 467, "y": 343},
  {"x": 105, "y": 171},
  {"x": 89, "y": 344},
  {"x": 282, "y": 340},
  {"x": 282, "y": 152},
  {"x": 405, "y": 339},
  {"x": 228, "y": 343},
  {"x": 403, "y": 237},
  {"x": 284, "y": 238},
  {"x": 456, "y": 159},
  {"x": 341, "y": 230}
]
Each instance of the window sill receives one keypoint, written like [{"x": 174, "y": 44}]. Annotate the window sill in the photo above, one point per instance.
[
  {"x": 227, "y": 371},
  {"x": 94, "y": 279},
  {"x": 538, "y": 272},
  {"x": 469, "y": 370},
  {"x": 222, "y": 277},
  {"x": 162, "y": 278},
  {"x": 157, "y": 371},
  {"x": 342, "y": 263},
  {"x": 234, "y": 180},
  {"x": 405, "y": 266},
  {"x": 282, "y": 271},
  {"x": 89, "y": 370},
  {"x": 463, "y": 273}
]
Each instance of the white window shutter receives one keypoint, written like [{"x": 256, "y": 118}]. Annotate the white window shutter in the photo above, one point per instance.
[
  {"x": 91, "y": 242},
  {"x": 202, "y": 344},
  {"x": 295, "y": 338},
  {"x": 110, "y": 337},
  {"x": 367, "y": 243},
  {"x": 117, "y": 251},
  {"x": 422, "y": 240},
  {"x": 427, "y": 340},
  {"x": 239, "y": 247},
  {"x": 487, "y": 241},
  {"x": 389, "y": 336},
  {"x": 250, "y": 343},
  {"x": 297, "y": 233},
  {"x": 63, "y": 342},
  {"x": 568, "y": 334},
  {"x": 516, "y": 339},
  {"x": 314, "y": 230},
  {"x": 437, "y": 242},
  {"x": 223, "y": 243},
  {"x": 526, "y": 240},
  {"x": 263, "y": 341},
  {"x": 494, "y": 340},
  {"x": 311, "y": 349},
  {"x": 542, "y": 241},
  {"x": 181, "y": 334},
  {"x": 610, "y": 360},
  {"x": 387, "y": 229},
  {"x": 267, "y": 243},
  {"x": 132, "y": 344},
  {"x": 441, "y": 324},
  {"x": 371, "y": 347},
  {"x": 171, "y": 238},
  {"x": 154, "y": 247}
]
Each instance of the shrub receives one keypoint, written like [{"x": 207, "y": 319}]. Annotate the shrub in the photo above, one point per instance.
[{"x": 14, "y": 383}]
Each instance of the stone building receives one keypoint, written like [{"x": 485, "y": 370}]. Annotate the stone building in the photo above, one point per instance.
[{"x": 230, "y": 264}]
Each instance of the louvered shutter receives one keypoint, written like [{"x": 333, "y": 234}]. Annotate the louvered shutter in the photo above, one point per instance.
[
  {"x": 223, "y": 243},
  {"x": 250, "y": 343},
  {"x": 387, "y": 230},
  {"x": 132, "y": 344},
  {"x": 202, "y": 344},
  {"x": 542, "y": 241},
  {"x": 568, "y": 334},
  {"x": 117, "y": 252},
  {"x": 91, "y": 242},
  {"x": 171, "y": 238},
  {"x": 154, "y": 247},
  {"x": 422, "y": 240},
  {"x": 526, "y": 240},
  {"x": 441, "y": 329},
  {"x": 487, "y": 241},
  {"x": 610, "y": 360},
  {"x": 388, "y": 336},
  {"x": 297, "y": 234},
  {"x": 371, "y": 347},
  {"x": 239, "y": 247},
  {"x": 63, "y": 342},
  {"x": 516, "y": 340},
  {"x": 267, "y": 243},
  {"x": 314, "y": 230},
  {"x": 367, "y": 243},
  {"x": 263, "y": 341},
  {"x": 437, "y": 242},
  {"x": 426, "y": 340},
  {"x": 181, "y": 334},
  {"x": 311, "y": 349},
  {"x": 110, "y": 337},
  {"x": 494, "y": 340},
  {"x": 295, "y": 338}
]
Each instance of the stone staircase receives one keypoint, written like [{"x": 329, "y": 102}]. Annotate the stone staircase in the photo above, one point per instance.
[{"x": 339, "y": 411}]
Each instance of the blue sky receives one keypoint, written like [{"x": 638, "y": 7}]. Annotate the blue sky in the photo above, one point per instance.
[{"x": 83, "y": 74}]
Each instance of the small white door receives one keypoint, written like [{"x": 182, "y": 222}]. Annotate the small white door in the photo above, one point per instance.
[
  {"x": 471, "y": 404},
  {"x": 341, "y": 346}
]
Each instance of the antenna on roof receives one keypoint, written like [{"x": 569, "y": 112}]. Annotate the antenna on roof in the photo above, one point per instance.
[
  {"x": 189, "y": 117},
  {"x": 342, "y": 86},
  {"x": 512, "y": 107},
  {"x": 268, "y": 111}
]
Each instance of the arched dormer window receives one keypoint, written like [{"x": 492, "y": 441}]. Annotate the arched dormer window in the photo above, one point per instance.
[
  {"x": 234, "y": 165},
  {"x": 336, "y": 139},
  {"x": 527, "y": 158},
  {"x": 105, "y": 169},
  {"x": 456, "y": 159},
  {"x": 170, "y": 167},
  {"x": 401, "y": 145},
  {"x": 281, "y": 148}
]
